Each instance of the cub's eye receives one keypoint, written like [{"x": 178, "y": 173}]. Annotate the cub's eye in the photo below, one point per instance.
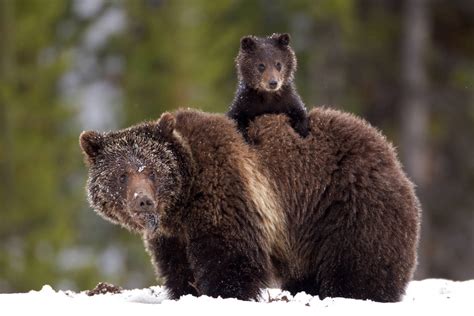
[
  {"x": 261, "y": 67},
  {"x": 152, "y": 175},
  {"x": 123, "y": 178},
  {"x": 278, "y": 66}
]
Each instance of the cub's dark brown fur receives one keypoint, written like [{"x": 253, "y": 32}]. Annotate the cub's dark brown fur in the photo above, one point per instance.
[
  {"x": 331, "y": 214},
  {"x": 266, "y": 68}
]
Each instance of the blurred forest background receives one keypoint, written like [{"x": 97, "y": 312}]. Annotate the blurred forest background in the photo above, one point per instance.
[{"x": 66, "y": 66}]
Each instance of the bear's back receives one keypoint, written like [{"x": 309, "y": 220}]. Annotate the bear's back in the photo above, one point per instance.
[
  {"x": 342, "y": 150},
  {"x": 346, "y": 197}
]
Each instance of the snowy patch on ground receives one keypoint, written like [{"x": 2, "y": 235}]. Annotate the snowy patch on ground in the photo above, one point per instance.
[{"x": 432, "y": 296}]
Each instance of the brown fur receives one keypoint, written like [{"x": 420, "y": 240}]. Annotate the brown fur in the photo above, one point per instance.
[
  {"x": 332, "y": 214},
  {"x": 266, "y": 68}
]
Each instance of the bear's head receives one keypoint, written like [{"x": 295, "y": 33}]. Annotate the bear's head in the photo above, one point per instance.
[
  {"x": 136, "y": 174},
  {"x": 266, "y": 63}
]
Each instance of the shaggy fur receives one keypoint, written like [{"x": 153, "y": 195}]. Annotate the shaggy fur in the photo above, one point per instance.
[
  {"x": 332, "y": 214},
  {"x": 266, "y": 68}
]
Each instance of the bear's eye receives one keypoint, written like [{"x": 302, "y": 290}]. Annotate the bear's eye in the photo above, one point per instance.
[
  {"x": 152, "y": 175},
  {"x": 123, "y": 178},
  {"x": 278, "y": 66},
  {"x": 261, "y": 67}
]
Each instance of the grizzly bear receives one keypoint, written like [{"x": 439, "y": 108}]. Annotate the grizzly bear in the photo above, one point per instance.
[
  {"x": 331, "y": 214},
  {"x": 266, "y": 68}
]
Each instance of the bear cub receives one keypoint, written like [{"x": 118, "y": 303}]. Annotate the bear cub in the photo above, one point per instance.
[{"x": 266, "y": 68}]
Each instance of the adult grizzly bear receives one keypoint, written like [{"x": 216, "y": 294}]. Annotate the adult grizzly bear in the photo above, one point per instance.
[{"x": 332, "y": 214}]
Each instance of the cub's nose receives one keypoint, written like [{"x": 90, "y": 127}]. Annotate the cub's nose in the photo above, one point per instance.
[
  {"x": 143, "y": 203},
  {"x": 272, "y": 84}
]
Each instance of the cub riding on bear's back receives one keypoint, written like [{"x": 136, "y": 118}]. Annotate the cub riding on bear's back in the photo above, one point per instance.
[{"x": 266, "y": 68}]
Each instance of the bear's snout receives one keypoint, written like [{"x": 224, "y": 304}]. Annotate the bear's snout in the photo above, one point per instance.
[
  {"x": 143, "y": 209},
  {"x": 142, "y": 203},
  {"x": 140, "y": 196}
]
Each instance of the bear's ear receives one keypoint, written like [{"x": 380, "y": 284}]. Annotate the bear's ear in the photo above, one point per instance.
[
  {"x": 283, "y": 40},
  {"x": 247, "y": 43},
  {"x": 91, "y": 143},
  {"x": 166, "y": 123}
]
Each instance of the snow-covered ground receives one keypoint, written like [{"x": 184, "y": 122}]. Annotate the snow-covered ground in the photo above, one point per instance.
[{"x": 428, "y": 297}]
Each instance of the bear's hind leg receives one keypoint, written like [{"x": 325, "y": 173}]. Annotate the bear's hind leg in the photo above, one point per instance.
[{"x": 362, "y": 284}]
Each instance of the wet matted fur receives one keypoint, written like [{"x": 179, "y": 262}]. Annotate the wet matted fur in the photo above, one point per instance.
[{"x": 332, "y": 214}]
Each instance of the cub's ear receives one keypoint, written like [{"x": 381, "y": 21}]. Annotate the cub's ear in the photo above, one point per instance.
[
  {"x": 166, "y": 123},
  {"x": 91, "y": 143},
  {"x": 247, "y": 43},
  {"x": 282, "y": 39}
]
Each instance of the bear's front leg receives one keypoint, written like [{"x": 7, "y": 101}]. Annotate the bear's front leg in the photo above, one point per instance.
[
  {"x": 227, "y": 268},
  {"x": 299, "y": 120},
  {"x": 242, "y": 126},
  {"x": 169, "y": 257}
]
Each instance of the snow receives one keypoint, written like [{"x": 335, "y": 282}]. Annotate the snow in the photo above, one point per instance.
[{"x": 431, "y": 296}]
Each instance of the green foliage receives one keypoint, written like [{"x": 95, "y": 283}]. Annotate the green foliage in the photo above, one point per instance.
[
  {"x": 36, "y": 147},
  {"x": 178, "y": 54}
]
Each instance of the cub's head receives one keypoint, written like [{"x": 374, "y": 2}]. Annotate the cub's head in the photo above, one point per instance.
[
  {"x": 266, "y": 63},
  {"x": 135, "y": 174}
]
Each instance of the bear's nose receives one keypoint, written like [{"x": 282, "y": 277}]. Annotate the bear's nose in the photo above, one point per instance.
[
  {"x": 273, "y": 84},
  {"x": 143, "y": 203}
]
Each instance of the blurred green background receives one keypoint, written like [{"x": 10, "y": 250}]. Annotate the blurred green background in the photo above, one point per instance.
[{"x": 66, "y": 66}]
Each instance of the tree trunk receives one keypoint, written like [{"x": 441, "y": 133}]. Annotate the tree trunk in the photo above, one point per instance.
[{"x": 415, "y": 111}]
